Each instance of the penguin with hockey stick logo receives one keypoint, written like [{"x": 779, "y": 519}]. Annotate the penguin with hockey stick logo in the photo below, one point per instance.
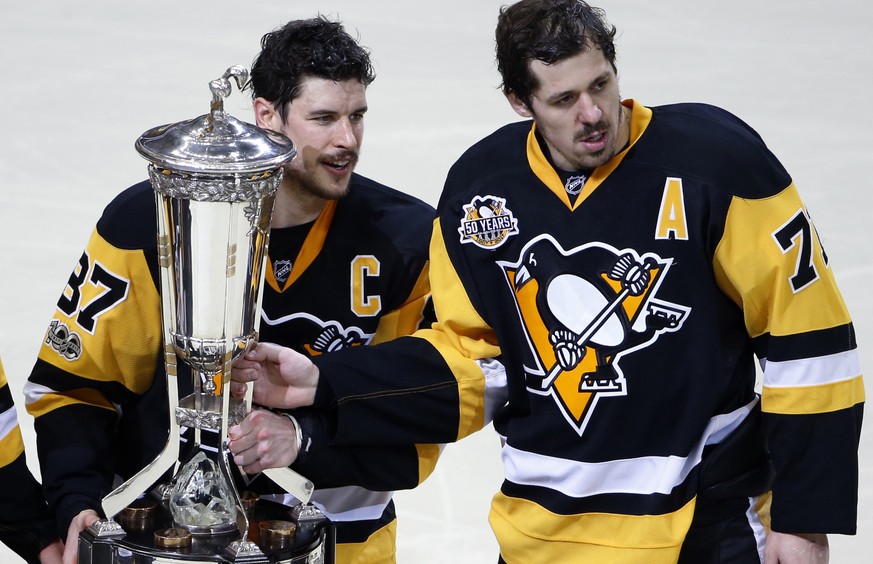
[{"x": 583, "y": 308}]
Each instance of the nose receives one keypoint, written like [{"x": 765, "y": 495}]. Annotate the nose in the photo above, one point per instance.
[
  {"x": 345, "y": 134},
  {"x": 589, "y": 111}
]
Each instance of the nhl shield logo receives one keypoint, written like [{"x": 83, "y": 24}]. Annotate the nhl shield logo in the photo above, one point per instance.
[
  {"x": 574, "y": 184},
  {"x": 281, "y": 270},
  {"x": 487, "y": 222}
]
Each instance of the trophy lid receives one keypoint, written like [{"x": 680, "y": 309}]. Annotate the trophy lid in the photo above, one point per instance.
[{"x": 216, "y": 143}]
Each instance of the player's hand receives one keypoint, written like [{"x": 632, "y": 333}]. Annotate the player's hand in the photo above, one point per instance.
[
  {"x": 281, "y": 377},
  {"x": 263, "y": 440},
  {"x": 784, "y": 548},
  {"x": 80, "y": 522},
  {"x": 52, "y": 553}
]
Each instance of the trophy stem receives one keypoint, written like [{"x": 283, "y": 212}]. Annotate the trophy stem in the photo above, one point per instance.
[
  {"x": 287, "y": 479},
  {"x": 224, "y": 453},
  {"x": 129, "y": 491}
]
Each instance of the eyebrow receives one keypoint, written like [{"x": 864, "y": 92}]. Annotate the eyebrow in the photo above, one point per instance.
[
  {"x": 325, "y": 111},
  {"x": 558, "y": 95}
]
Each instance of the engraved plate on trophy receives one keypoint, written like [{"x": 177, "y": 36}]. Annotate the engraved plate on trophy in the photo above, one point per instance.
[{"x": 215, "y": 179}]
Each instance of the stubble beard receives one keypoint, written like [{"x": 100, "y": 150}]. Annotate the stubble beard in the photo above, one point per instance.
[
  {"x": 334, "y": 192},
  {"x": 594, "y": 160},
  {"x": 311, "y": 185}
]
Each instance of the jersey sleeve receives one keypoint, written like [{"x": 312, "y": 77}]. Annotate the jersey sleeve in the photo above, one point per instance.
[
  {"x": 425, "y": 388},
  {"x": 25, "y": 525},
  {"x": 770, "y": 261},
  {"x": 374, "y": 467},
  {"x": 99, "y": 353}
]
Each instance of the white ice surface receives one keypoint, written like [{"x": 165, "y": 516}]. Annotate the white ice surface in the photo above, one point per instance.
[{"x": 82, "y": 80}]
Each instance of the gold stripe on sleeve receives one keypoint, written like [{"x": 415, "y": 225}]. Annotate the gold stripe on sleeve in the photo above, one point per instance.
[{"x": 800, "y": 401}]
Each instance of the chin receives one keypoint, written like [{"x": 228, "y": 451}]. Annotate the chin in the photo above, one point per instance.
[
  {"x": 594, "y": 161},
  {"x": 331, "y": 192},
  {"x": 338, "y": 194},
  {"x": 328, "y": 189}
]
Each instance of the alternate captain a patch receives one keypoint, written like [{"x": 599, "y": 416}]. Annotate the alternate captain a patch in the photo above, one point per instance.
[
  {"x": 487, "y": 222},
  {"x": 582, "y": 310}
]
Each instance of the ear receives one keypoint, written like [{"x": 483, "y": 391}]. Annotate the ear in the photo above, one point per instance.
[
  {"x": 518, "y": 105},
  {"x": 266, "y": 116}
]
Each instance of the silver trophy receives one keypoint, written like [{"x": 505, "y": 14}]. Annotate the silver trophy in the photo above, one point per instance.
[{"x": 215, "y": 180}]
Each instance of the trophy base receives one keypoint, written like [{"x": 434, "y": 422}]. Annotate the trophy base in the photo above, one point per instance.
[{"x": 143, "y": 541}]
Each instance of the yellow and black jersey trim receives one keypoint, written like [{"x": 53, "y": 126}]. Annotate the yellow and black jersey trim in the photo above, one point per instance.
[{"x": 11, "y": 443}]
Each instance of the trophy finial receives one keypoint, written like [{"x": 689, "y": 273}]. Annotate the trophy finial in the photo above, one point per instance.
[
  {"x": 221, "y": 89},
  {"x": 215, "y": 145}
]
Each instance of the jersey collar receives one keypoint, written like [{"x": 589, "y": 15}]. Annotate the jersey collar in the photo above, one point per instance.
[{"x": 641, "y": 116}]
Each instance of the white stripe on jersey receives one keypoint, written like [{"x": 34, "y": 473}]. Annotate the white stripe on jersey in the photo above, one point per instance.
[
  {"x": 757, "y": 527},
  {"x": 827, "y": 369},
  {"x": 351, "y": 503},
  {"x": 8, "y": 422},
  {"x": 496, "y": 391},
  {"x": 644, "y": 475},
  {"x": 348, "y": 503},
  {"x": 34, "y": 392}
]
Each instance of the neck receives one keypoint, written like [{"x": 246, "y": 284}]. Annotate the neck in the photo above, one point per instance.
[
  {"x": 294, "y": 206},
  {"x": 624, "y": 128}
]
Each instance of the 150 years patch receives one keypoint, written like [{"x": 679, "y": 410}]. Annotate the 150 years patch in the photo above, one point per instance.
[{"x": 487, "y": 222}]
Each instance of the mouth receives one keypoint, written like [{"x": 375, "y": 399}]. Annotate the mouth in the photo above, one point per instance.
[
  {"x": 594, "y": 141},
  {"x": 340, "y": 165}
]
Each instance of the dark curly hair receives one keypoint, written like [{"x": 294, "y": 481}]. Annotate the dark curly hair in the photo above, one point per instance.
[
  {"x": 315, "y": 47},
  {"x": 548, "y": 31}
]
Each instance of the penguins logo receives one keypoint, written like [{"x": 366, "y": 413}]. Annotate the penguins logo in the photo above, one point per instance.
[
  {"x": 323, "y": 336},
  {"x": 333, "y": 339},
  {"x": 581, "y": 311},
  {"x": 487, "y": 222}
]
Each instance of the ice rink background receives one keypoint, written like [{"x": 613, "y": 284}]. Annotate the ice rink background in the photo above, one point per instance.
[{"x": 82, "y": 80}]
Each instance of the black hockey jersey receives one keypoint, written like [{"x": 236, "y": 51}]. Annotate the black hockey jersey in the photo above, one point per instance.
[
  {"x": 628, "y": 322},
  {"x": 25, "y": 525},
  {"x": 98, "y": 387}
]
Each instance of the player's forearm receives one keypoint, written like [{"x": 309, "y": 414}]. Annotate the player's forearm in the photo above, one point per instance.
[
  {"x": 396, "y": 393},
  {"x": 74, "y": 444},
  {"x": 816, "y": 471},
  {"x": 377, "y": 468}
]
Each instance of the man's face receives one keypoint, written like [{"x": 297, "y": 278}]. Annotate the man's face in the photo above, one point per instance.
[
  {"x": 326, "y": 124},
  {"x": 577, "y": 110}
]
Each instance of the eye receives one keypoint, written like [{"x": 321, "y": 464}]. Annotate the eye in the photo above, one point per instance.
[
  {"x": 324, "y": 119},
  {"x": 356, "y": 118},
  {"x": 599, "y": 85},
  {"x": 566, "y": 100}
]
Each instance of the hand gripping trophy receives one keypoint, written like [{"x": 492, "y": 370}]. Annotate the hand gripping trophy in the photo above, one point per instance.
[{"x": 215, "y": 179}]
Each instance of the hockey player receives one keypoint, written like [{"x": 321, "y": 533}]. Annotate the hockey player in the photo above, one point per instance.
[
  {"x": 625, "y": 265},
  {"x": 347, "y": 267},
  {"x": 25, "y": 525}
]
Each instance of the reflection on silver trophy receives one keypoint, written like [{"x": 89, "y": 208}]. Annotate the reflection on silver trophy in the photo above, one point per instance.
[{"x": 215, "y": 179}]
